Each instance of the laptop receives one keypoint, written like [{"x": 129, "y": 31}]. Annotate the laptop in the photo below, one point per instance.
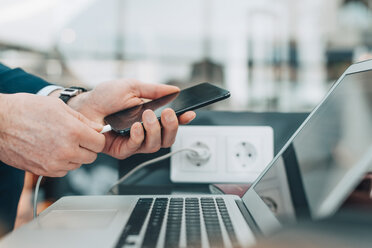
[{"x": 308, "y": 179}]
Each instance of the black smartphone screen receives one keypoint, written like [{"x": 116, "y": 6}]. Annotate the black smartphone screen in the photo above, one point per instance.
[{"x": 188, "y": 99}]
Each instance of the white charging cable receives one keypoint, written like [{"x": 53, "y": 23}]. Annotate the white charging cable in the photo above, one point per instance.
[
  {"x": 36, "y": 194},
  {"x": 194, "y": 152},
  {"x": 198, "y": 153},
  {"x": 105, "y": 129}
]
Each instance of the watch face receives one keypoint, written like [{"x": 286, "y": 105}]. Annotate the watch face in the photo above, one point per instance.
[
  {"x": 70, "y": 92},
  {"x": 67, "y": 93}
]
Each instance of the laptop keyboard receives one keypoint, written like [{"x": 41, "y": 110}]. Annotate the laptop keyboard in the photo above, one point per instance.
[
  {"x": 174, "y": 222},
  {"x": 198, "y": 214}
]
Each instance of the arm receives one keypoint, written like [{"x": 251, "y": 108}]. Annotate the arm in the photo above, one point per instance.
[
  {"x": 113, "y": 96},
  {"x": 17, "y": 80}
]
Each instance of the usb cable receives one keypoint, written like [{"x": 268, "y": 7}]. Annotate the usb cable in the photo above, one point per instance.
[
  {"x": 114, "y": 188},
  {"x": 105, "y": 129}
]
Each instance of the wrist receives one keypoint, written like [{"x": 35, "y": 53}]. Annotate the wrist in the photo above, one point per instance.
[
  {"x": 75, "y": 102},
  {"x": 55, "y": 93}
]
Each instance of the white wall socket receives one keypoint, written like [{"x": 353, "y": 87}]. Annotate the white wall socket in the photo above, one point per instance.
[{"x": 237, "y": 153}]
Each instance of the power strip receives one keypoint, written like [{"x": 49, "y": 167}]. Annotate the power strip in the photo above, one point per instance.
[{"x": 232, "y": 154}]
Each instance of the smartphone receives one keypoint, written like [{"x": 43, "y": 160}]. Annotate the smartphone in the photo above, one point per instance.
[{"x": 188, "y": 99}]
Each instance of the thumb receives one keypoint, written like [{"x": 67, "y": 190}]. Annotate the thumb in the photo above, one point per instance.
[{"x": 92, "y": 124}]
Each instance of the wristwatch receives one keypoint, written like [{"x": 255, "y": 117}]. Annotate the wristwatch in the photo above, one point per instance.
[{"x": 70, "y": 92}]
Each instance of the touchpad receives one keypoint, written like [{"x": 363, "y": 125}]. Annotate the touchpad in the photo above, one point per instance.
[{"x": 78, "y": 219}]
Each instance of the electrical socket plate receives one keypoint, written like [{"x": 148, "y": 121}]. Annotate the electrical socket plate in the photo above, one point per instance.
[{"x": 238, "y": 153}]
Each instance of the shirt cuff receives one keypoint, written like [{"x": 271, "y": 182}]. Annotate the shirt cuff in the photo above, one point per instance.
[{"x": 48, "y": 89}]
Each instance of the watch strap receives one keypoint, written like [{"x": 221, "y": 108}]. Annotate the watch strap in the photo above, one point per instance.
[{"x": 64, "y": 98}]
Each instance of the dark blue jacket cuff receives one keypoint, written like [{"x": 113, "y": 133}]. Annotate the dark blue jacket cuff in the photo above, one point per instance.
[{"x": 17, "y": 80}]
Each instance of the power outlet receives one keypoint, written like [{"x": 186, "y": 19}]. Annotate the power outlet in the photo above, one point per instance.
[
  {"x": 189, "y": 165},
  {"x": 236, "y": 153},
  {"x": 243, "y": 153}
]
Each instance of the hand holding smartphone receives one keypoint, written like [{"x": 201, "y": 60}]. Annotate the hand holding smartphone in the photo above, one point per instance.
[{"x": 188, "y": 99}]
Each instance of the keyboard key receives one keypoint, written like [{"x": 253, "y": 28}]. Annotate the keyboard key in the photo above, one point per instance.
[
  {"x": 193, "y": 209},
  {"x": 174, "y": 221},
  {"x": 192, "y": 217},
  {"x": 155, "y": 222},
  {"x": 212, "y": 223},
  {"x": 136, "y": 220},
  {"x": 227, "y": 222}
]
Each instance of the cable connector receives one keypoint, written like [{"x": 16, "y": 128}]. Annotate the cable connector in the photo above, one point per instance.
[
  {"x": 114, "y": 188},
  {"x": 199, "y": 155}
]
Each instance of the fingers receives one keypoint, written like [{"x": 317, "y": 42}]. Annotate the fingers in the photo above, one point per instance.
[
  {"x": 153, "y": 91},
  {"x": 96, "y": 126},
  {"x": 60, "y": 170},
  {"x": 157, "y": 137},
  {"x": 186, "y": 117},
  {"x": 87, "y": 132},
  {"x": 132, "y": 144},
  {"x": 137, "y": 136},
  {"x": 60, "y": 173},
  {"x": 90, "y": 139},
  {"x": 83, "y": 156},
  {"x": 121, "y": 147},
  {"x": 63, "y": 172},
  {"x": 70, "y": 166},
  {"x": 153, "y": 131},
  {"x": 170, "y": 126}
]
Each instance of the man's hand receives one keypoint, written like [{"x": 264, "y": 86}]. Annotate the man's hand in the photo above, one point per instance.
[
  {"x": 45, "y": 136},
  {"x": 113, "y": 96}
]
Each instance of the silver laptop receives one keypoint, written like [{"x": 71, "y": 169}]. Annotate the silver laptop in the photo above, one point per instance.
[{"x": 308, "y": 179}]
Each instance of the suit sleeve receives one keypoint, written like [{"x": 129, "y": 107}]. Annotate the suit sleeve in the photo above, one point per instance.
[{"x": 17, "y": 80}]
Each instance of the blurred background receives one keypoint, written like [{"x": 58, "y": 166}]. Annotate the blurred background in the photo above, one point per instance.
[
  {"x": 278, "y": 55},
  {"x": 273, "y": 55}
]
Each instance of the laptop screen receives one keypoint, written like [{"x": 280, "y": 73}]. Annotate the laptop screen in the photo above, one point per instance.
[{"x": 303, "y": 181}]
